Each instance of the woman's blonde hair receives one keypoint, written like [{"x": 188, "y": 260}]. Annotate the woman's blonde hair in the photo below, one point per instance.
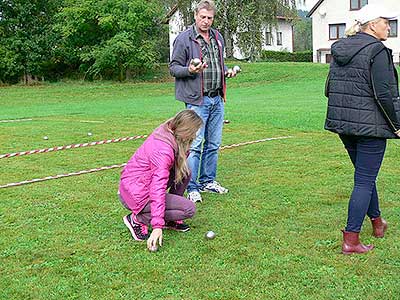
[
  {"x": 357, "y": 27},
  {"x": 184, "y": 127}
]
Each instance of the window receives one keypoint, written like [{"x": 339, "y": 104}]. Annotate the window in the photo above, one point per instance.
[
  {"x": 279, "y": 38},
  {"x": 268, "y": 38},
  {"x": 336, "y": 31},
  {"x": 357, "y": 4},
  {"x": 393, "y": 28}
]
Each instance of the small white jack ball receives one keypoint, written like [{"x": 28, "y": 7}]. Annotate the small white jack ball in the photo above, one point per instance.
[
  {"x": 237, "y": 69},
  {"x": 210, "y": 235},
  {"x": 46, "y": 137},
  {"x": 89, "y": 134},
  {"x": 196, "y": 61}
]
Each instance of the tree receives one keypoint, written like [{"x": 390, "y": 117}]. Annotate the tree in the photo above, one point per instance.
[
  {"x": 242, "y": 22},
  {"x": 110, "y": 38},
  {"x": 26, "y": 35},
  {"x": 302, "y": 33}
]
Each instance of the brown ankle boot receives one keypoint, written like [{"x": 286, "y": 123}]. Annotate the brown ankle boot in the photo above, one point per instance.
[
  {"x": 351, "y": 243},
  {"x": 379, "y": 226}
]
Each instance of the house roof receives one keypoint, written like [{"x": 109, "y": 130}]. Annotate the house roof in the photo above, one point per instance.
[
  {"x": 314, "y": 8},
  {"x": 170, "y": 14},
  {"x": 287, "y": 18}
]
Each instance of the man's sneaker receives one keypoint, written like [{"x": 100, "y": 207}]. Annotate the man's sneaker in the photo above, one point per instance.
[
  {"x": 194, "y": 196},
  {"x": 138, "y": 230},
  {"x": 177, "y": 226},
  {"x": 214, "y": 187}
]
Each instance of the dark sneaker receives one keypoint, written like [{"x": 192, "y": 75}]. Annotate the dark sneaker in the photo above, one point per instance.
[
  {"x": 138, "y": 230},
  {"x": 177, "y": 226},
  {"x": 214, "y": 187}
]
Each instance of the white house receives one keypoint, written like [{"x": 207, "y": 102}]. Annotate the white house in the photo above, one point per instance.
[
  {"x": 330, "y": 18},
  {"x": 278, "y": 37}
]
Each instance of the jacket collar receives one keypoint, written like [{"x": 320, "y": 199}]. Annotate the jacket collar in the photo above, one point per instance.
[
  {"x": 194, "y": 34},
  {"x": 163, "y": 133}
]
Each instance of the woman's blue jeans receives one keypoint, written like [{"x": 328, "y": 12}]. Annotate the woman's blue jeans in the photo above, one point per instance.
[
  {"x": 203, "y": 157},
  {"x": 366, "y": 154}
]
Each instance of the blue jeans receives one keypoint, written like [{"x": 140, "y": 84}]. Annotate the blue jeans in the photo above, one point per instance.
[
  {"x": 203, "y": 157},
  {"x": 366, "y": 154}
]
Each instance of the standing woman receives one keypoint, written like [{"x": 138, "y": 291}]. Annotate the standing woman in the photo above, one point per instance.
[
  {"x": 364, "y": 109},
  {"x": 158, "y": 165}
]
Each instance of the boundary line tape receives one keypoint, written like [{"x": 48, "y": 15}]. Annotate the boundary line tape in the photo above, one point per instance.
[
  {"x": 73, "y": 146},
  {"x": 15, "y": 120},
  {"x": 122, "y": 165}
]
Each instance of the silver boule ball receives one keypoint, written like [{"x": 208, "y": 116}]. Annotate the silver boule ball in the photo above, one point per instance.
[
  {"x": 89, "y": 134},
  {"x": 153, "y": 249},
  {"x": 46, "y": 137},
  {"x": 237, "y": 69},
  {"x": 196, "y": 62},
  {"x": 210, "y": 235}
]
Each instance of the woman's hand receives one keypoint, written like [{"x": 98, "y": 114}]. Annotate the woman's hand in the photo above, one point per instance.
[
  {"x": 397, "y": 133},
  {"x": 156, "y": 235}
]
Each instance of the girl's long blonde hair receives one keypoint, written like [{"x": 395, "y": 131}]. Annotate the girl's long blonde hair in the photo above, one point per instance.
[{"x": 184, "y": 127}]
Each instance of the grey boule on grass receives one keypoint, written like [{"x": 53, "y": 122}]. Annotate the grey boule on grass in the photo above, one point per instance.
[
  {"x": 210, "y": 235},
  {"x": 153, "y": 249}
]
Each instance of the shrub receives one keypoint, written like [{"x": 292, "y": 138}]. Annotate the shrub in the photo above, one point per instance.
[{"x": 282, "y": 56}]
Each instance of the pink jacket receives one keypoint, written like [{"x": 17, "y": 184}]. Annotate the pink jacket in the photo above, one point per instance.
[{"x": 145, "y": 177}]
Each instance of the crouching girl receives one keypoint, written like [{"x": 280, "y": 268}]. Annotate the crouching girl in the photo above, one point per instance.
[{"x": 154, "y": 179}]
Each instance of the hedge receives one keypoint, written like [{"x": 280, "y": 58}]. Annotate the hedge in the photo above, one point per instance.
[{"x": 303, "y": 56}]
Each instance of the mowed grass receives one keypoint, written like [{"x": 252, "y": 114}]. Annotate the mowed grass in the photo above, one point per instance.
[{"x": 278, "y": 228}]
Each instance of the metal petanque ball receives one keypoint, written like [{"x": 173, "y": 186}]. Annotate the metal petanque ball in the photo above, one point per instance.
[
  {"x": 153, "y": 249},
  {"x": 46, "y": 137},
  {"x": 89, "y": 134},
  {"x": 196, "y": 61},
  {"x": 210, "y": 235}
]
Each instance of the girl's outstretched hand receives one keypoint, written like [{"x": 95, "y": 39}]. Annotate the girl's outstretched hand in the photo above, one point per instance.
[{"x": 156, "y": 235}]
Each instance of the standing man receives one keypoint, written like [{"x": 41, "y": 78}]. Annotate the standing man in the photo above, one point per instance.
[{"x": 201, "y": 86}]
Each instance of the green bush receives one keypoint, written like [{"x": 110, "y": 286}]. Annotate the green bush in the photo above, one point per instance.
[{"x": 282, "y": 56}]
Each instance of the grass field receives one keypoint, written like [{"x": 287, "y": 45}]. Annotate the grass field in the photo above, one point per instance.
[{"x": 278, "y": 229}]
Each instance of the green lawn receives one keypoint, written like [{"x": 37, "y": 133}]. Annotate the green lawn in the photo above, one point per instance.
[{"x": 278, "y": 229}]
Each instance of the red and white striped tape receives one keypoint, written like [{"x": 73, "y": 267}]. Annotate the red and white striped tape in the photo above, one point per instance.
[
  {"x": 122, "y": 165},
  {"x": 254, "y": 142},
  {"x": 59, "y": 148},
  {"x": 61, "y": 176}
]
